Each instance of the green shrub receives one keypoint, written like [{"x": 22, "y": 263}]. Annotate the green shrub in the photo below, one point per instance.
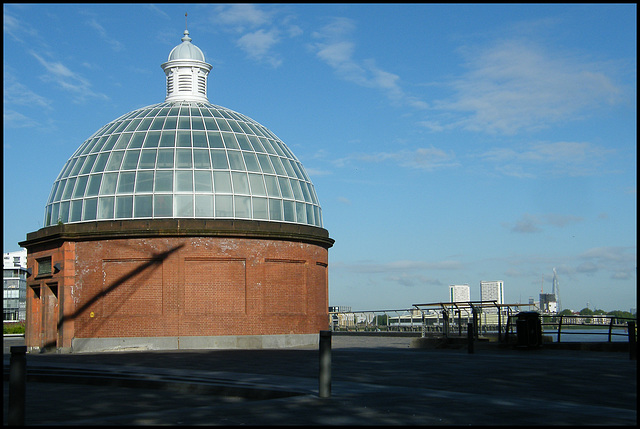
[{"x": 13, "y": 328}]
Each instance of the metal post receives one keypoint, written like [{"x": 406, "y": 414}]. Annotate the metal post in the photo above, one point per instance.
[
  {"x": 559, "y": 328},
  {"x": 474, "y": 312},
  {"x": 470, "y": 337},
  {"x": 631, "y": 328},
  {"x": 610, "y": 328},
  {"x": 17, "y": 385},
  {"x": 324, "y": 388},
  {"x": 445, "y": 323}
]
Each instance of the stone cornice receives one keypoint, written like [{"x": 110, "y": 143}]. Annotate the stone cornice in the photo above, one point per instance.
[{"x": 141, "y": 228}]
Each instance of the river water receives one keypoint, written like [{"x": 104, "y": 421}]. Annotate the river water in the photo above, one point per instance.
[{"x": 588, "y": 335}]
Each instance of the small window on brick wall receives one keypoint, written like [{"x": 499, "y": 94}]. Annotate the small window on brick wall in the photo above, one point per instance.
[{"x": 44, "y": 266}]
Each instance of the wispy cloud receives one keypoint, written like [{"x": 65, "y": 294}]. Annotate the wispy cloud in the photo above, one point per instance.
[
  {"x": 16, "y": 28},
  {"x": 115, "y": 45},
  {"x": 13, "y": 119},
  {"x": 258, "y": 45},
  {"x": 515, "y": 85},
  {"x": 548, "y": 159},
  {"x": 402, "y": 266},
  {"x": 257, "y": 31},
  {"x": 157, "y": 10},
  {"x": 531, "y": 223},
  {"x": 240, "y": 16},
  {"x": 335, "y": 47},
  {"x": 428, "y": 159},
  {"x": 15, "y": 93},
  {"x": 68, "y": 80},
  {"x": 620, "y": 262}
]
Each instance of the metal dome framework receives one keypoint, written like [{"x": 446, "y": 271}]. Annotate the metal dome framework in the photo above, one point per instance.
[{"x": 184, "y": 158}]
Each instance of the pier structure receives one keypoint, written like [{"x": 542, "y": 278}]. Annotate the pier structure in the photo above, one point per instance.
[{"x": 438, "y": 318}]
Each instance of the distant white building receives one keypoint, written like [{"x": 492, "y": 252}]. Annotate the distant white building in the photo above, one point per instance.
[
  {"x": 492, "y": 291},
  {"x": 548, "y": 303},
  {"x": 14, "y": 279},
  {"x": 459, "y": 293}
]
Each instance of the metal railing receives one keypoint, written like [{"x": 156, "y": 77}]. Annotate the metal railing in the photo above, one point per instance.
[
  {"x": 486, "y": 318},
  {"x": 575, "y": 324},
  {"x": 440, "y": 318}
]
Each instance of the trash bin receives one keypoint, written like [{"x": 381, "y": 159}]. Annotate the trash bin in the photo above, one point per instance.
[{"x": 529, "y": 329}]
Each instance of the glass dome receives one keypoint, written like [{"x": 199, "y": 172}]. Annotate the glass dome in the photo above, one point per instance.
[{"x": 183, "y": 159}]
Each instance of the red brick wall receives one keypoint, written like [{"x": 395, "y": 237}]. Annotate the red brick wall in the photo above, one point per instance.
[
  {"x": 49, "y": 298},
  {"x": 206, "y": 286}
]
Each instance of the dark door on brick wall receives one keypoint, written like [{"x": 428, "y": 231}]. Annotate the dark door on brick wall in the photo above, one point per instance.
[
  {"x": 33, "y": 334},
  {"x": 50, "y": 311}
]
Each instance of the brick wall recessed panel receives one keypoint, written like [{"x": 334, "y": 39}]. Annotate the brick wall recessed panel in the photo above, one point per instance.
[
  {"x": 285, "y": 287},
  {"x": 214, "y": 286},
  {"x": 132, "y": 287}
]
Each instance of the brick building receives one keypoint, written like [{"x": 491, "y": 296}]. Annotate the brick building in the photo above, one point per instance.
[{"x": 179, "y": 225}]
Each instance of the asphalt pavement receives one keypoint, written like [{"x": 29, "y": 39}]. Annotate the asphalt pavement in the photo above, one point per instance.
[{"x": 374, "y": 381}]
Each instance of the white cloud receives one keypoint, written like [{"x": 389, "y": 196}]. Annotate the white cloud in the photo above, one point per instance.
[
  {"x": 16, "y": 28},
  {"x": 402, "y": 266},
  {"x": 530, "y": 223},
  {"x": 67, "y": 79},
  {"x": 413, "y": 280},
  {"x": 428, "y": 159},
  {"x": 15, "y": 93},
  {"x": 13, "y": 119},
  {"x": 115, "y": 45},
  {"x": 514, "y": 86},
  {"x": 548, "y": 159},
  {"x": 257, "y": 31},
  {"x": 314, "y": 172},
  {"x": 240, "y": 16},
  {"x": 258, "y": 45},
  {"x": 334, "y": 47},
  {"x": 619, "y": 261}
]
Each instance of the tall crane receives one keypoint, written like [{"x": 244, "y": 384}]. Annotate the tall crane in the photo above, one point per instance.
[{"x": 556, "y": 290}]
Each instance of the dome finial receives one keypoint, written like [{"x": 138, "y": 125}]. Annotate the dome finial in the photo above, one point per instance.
[{"x": 186, "y": 37}]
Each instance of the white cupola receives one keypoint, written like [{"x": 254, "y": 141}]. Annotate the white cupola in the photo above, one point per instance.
[{"x": 186, "y": 72}]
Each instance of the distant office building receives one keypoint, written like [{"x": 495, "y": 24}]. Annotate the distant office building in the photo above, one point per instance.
[
  {"x": 14, "y": 278},
  {"x": 548, "y": 303},
  {"x": 459, "y": 293},
  {"x": 492, "y": 291},
  {"x": 340, "y": 309}
]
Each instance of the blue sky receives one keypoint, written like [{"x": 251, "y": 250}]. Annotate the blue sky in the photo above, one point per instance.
[{"x": 448, "y": 144}]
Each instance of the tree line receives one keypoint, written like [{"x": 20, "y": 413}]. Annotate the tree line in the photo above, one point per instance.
[{"x": 589, "y": 312}]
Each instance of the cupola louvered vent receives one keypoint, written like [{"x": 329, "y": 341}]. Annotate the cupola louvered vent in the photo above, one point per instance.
[{"x": 186, "y": 72}]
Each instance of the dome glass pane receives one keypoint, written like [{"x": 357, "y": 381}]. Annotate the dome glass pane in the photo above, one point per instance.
[{"x": 183, "y": 159}]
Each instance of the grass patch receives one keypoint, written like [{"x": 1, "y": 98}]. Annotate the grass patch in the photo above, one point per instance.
[{"x": 13, "y": 328}]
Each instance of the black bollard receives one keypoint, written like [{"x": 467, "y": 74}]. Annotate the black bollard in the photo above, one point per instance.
[
  {"x": 470, "y": 337},
  {"x": 324, "y": 388},
  {"x": 17, "y": 385},
  {"x": 631, "y": 328}
]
